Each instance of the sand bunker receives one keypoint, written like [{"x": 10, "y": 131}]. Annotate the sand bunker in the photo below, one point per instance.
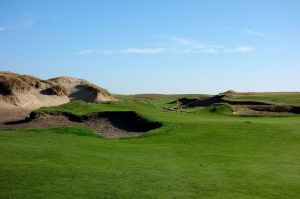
[
  {"x": 207, "y": 101},
  {"x": 266, "y": 110},
  {"x": 238, "y": 107},
  {"x": 108, "y": 124}
]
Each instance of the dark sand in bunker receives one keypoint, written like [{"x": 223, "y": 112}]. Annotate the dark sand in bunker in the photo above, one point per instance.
[{"x": 108, "y": 124}]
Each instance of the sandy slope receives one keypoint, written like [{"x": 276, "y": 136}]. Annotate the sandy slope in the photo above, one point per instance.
[{"x": 21, "y": 94}]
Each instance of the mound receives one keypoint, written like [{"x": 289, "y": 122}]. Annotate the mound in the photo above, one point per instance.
[
  {"x": 108, "y": 124},
  {"x": 202, "y": 101},
  {"x": 31, "y": 92},
  {"x": 28, "y": 92},
  {"x": 230, "y": 93},
  {"x": 83, "y": 90}
]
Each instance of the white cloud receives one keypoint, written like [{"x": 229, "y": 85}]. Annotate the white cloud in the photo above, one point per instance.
[
  {"x": 27, "y": 23},
  {"x": 104, "y": 52},
  {"x": 91, "y": 51},
  {"x": 247, "y": 31},
  {"x": 240, "y": 49},
  {"x": 255, "y": 33},
  {"x": 127, "y": 50},
  {"x": 182, "y": 41},
  {"x": 189, "y": 46},
  {"x": 4, "y": 28},
  {"x": 178, "y": 45},
  {"x": 217, "y": 46},
  {"x": 144, "y": 50},
  {"x": 210, "y": 51},
  {"x": 85, "y": 52},
  {"x": 198, "y": 51}
]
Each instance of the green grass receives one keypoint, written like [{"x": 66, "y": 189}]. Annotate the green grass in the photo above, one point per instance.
[
  {"x": 277, "y": 98},
  {"x": 209, "y": 154}
]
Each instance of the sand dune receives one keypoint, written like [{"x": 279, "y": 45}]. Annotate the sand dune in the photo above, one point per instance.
[{"x": 20, "y": 94}]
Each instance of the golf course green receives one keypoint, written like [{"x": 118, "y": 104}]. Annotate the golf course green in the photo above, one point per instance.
[{"x": 201, "y": 152}]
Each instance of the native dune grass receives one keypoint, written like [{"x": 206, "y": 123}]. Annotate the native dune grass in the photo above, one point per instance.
[{"x": 18, "y": 90}]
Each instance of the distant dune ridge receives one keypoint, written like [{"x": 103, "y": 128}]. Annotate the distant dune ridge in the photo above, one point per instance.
[{"x": 31, "y": 92}]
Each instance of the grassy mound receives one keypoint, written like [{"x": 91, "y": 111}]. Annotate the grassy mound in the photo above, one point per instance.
[{"x": 220, "y": 108}]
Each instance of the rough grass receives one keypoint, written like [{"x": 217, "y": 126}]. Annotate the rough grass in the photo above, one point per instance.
[
  {"x": 97, "y": 89},
  {"x": 5, "y": 88},
  {"x": 220, "y": 108},
  {"x": 160, "y": 96},
  {"x": 92, "y": 87},
  {"x": 203, "y": 155},
  {"x": 10, "y": 83},
  {"x": 56, "y": 89}
]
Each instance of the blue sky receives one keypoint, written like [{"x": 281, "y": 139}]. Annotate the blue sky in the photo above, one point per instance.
[{"x": 139, "y": 46}]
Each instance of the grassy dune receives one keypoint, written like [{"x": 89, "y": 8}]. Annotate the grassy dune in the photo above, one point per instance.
[{"x": 203, "y": 155}]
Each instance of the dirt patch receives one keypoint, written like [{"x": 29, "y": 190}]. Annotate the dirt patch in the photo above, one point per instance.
[
  {"x": 108, "y": 124},
  {"x": 12, "y": 113}
]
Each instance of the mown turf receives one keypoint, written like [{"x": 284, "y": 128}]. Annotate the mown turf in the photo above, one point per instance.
[
  {"x": 277, "y": 98},
  {"x": 202, "y": 155}
]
